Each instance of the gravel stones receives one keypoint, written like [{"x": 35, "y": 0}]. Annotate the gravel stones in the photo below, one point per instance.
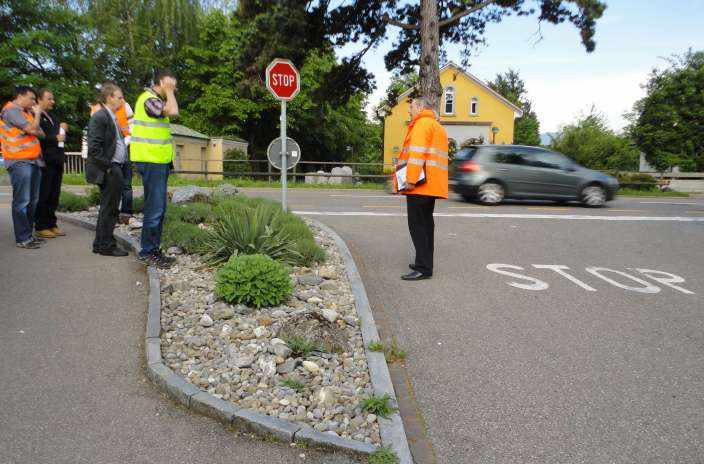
[{"x": 245, "y": 356}]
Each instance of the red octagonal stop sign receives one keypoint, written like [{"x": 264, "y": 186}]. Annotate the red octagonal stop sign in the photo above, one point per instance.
[{"x": 282, "y": 79}]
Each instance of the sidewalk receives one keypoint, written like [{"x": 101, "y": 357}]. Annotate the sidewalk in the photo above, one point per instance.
[{"x": 72, "y": 383}]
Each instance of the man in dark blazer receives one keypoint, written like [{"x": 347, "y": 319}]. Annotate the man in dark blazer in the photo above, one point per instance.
[
  {"x": 53, "y": 171},
  {"x": 107, "y": 153}
]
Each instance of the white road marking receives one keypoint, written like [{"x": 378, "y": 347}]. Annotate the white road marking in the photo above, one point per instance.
[
  {"x": 564, "y": 217},
  {"x": 665, "y": 203}
]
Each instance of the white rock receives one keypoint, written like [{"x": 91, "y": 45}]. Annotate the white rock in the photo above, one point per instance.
[
  {"x": 280, "y": 349},
  {"x": 284, "y": 402},
  {"x": 371, "y": 418},
  {"x": 327, "y": 272},
  {"x": 206, "y": 321},
  {"x": 226, "y": 330},
  {"x": 326, "y": 396},
  {"x": 241, "y": 360},
  {"x": 268, "y": 366},
  {"x": 260, "y": 331},
  {"x": 277, "y": 341},
  {"x": 311, "y": 367},
  {"x": 279, "y": 313},
  {"x": 330, "y": 314},
  {"x": 314, "y": 300}
]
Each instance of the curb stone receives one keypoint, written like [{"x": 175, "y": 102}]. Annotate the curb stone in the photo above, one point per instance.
[{"x": 392, "y": 432}]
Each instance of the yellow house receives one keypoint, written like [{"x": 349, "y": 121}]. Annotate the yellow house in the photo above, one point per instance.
[
  {"x": 196, "y": 152},
  {"x": 470, "y": 112}
]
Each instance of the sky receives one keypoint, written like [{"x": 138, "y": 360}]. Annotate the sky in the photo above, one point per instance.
[{"x": 562, "y": 79}]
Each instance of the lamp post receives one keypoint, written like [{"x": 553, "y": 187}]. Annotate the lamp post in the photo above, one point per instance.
[{"x": 494, "y": 131}]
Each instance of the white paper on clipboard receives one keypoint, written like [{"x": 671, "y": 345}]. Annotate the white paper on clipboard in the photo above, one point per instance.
[{"x": 401, "y": 177}]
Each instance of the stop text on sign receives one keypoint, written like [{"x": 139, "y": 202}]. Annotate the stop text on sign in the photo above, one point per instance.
[
  {"x": 282, "y": 79},
  {"x": 649, "y": 281}
]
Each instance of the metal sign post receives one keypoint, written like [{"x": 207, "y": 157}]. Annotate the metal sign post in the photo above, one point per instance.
[{"x": 283, "y": 81}]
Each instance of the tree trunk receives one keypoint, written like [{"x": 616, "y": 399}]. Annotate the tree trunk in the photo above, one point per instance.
[{"x": 429, "y": 54}]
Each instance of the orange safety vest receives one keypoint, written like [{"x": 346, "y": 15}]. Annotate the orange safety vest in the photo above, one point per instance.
[
  {"x": 425, "y": 147},
  {"x": 16, "y": 144},
  {"x": 121, "y": 115}
]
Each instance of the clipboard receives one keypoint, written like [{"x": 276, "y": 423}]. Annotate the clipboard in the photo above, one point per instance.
[{"x": 401, "y": 176}]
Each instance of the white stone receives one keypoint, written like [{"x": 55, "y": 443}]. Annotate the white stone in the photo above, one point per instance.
[
  {"x": 329, "y": 314},
  {"x": 281, "y": 350},
  {"x": 314, "y": 300},
  {"x": 206, "y": 321},
  {"x": 260, "y": 331},
  {"x": 326, "y": 396},
  {"x": 311, "y": 367},
  {"x": 268, "y": 366},
  {"x": 226, "y": 330}
]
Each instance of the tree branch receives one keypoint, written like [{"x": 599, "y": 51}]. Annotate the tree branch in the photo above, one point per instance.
[
  {"x": 400, "y": 24},
  {"x": 462, "y": 14}
]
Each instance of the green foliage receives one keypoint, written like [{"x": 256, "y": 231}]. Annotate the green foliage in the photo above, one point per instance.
[
  {"x": 138, "y": 204},
  {"x": 192, "y": 213},
  {"x": 293, "y": 384},
  {"x": 253, "y": 280},
  {"x": 243, "y": 230},
  {"x": 188, "y": 237},
  {"x": 667, "y": 123},
  {"x": 636, "y": 181},
  {"x": 70, "y": 202},
  {"x": 235, "y": 154},
  {"x": 377, "y": 346},
  {"x": 629, "y": 192},
  {"x": 394, "y": 354},
  {"x": 301, "y": 346},
  {"x": 93, "y": 195},
  {"x": 592, "y": 144},
  {"x": 379, "y": 405},
  {"x": 383, "y": 456},
  {"x": 526, "y": 129}
]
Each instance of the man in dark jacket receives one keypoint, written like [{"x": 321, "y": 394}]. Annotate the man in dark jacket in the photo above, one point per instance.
[
  {"x": 107, "y": 154},
  {"x": 53, "y": 171}
]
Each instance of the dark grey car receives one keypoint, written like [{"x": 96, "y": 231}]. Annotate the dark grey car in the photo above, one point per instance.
[{"x": 492, "y": 173}]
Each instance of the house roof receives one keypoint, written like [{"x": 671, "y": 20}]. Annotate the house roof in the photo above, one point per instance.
[
  {"x": 518, "y": 112},
  {"x": 183, "y": 131}
]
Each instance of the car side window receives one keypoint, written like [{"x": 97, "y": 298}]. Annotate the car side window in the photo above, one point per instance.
[
  {"x": 545, "y": 159},
  {"x": 507, "y": 156}
]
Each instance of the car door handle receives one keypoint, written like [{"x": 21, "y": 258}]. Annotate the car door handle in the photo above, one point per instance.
[{"x": 502, "y": 169}]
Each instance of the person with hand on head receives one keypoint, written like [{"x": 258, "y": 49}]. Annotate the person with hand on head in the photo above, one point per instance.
[
  {"x": 19, "y": 138},
  {"x": 52, "y": 173},
  {"x": 424, "y": 157},
  {"x": 107, "y": 154},
  {"x": 152, "y": 152}
]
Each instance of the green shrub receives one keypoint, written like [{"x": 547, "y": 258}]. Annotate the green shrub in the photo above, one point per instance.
[
  {"x": 637, "y": 181},
  {"x": 93, "y": 195},
  {"x": 383, "y": 456},
  {"x": 310, "y": 252},
  {"x": 70, "y": 202},
  {"x": 299, "y": 231},
  {"x": 138, "y": 204},
  {"x": 301, "y": 346},
  {"x": 188, "y": 237},
  {"x": 240, "y": 230},
  {"x": 253, "y": 280},
  {"x": 235, "y": 154},
  {"x": 293, "y": 384},
  {"x": 193, "y": 213},
  {"x": 379, "y": 405}
]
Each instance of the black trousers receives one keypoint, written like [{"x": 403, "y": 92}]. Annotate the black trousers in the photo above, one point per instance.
[
  {"x": 49, "y": 191},
  {"x": 110, "y": 193},
  {"x": 422, "y": 227}
]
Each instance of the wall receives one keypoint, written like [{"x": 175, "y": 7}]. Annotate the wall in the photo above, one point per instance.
[{"x": 190, "y": 155}]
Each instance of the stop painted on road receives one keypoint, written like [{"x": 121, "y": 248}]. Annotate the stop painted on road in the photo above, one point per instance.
[{"x": 632, "y": 281}]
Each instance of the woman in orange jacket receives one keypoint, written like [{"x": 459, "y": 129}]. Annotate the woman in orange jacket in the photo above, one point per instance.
[{"x": 424, "y": 157}]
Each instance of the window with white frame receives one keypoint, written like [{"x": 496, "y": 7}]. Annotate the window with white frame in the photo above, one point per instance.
[
  {"x": 449, "y": 101},
  {"x": 474, "y": 106}
]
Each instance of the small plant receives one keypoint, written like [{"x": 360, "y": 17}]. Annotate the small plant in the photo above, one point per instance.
[
  {"x": 93, "y": 195},
  {"x": 247, "y": 231},
  {"x": 377, "y": 346},
  {"x": 394, "y": 354},
  {"x": 253, "y": 280},
  {"x": 293, "y": 384},
  {"x": 188, "y": 237},
  {"x": 300, "y": 346},
  {"x": 379, "y": 405},
  {"x": 383, "y": 456},
  {"x": 192, "y": 213},
  {"x": 70, "y": 202}
]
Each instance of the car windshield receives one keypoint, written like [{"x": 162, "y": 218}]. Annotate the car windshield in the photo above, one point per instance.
[{"x": 466, "y": 153}]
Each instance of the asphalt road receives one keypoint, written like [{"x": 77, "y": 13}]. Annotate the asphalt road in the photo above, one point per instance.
[
  {"x": 560, "y": 370},
  {"x": 605, "y": 365},
  {"x": 72, "y": 383}
]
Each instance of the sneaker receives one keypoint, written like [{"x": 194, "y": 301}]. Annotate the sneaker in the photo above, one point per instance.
[
  {"x": 58, "y": 232},
  {"x": 46, "y": 233},
  {"x": 37, "y": 240},
  {"x": 165, "y": 258},
  {"x": 156, "y": 259},
  {"x": 29, "y": 245}
]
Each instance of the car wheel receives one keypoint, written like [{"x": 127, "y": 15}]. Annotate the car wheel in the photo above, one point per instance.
[
  {"x": 593, "y": 196},
  {"x": 491, "y": 193}
]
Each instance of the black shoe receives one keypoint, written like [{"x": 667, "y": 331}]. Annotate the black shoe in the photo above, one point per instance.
[
  {"x": 113, "y": 252},
  {"x": 166, "y": 259},
  {"x": 157, "y": 259},
  {"x": 415, "y": 275},
  {"x": 38, "y": 239}
]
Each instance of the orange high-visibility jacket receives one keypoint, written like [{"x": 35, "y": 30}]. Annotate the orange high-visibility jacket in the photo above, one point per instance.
[
  {"x": 123, "y": 119},
  {"x": 425, "y": 147},
  {"x": 16, "y": 144}
]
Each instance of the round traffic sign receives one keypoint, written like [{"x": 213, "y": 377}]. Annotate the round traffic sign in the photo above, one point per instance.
[
  {"x": 293, "y": 153},
  {"x": 282, "y": 79}
]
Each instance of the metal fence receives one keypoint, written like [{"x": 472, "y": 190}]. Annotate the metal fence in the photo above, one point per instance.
[{"x": 74, "y": 163}]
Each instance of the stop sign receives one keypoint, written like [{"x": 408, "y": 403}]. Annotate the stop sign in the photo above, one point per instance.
[{"x": 282, "y": 79}]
